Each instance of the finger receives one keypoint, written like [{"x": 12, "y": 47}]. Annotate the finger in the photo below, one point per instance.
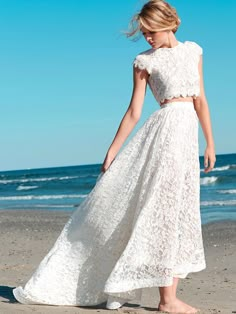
[
  {"x": 212, "y": 163},
  {"x": 207, "y": 170},
  {"x": 205, "y": 161},
  {"x": 210, "y": 167}
]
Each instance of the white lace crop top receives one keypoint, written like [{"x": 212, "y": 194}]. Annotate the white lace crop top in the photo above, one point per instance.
[{"x": 173, "y": 72}]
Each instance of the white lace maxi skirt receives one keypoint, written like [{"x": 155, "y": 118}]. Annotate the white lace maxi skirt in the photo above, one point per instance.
[{"x": 139, "y": 227}]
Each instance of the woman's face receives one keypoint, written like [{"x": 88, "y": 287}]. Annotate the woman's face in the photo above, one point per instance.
[{"x": 155, "y": 39}]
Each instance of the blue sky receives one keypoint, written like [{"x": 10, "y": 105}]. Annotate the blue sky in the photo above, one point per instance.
[{"x": 66, "y": 76}]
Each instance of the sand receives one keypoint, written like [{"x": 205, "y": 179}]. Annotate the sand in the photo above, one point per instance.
[{"x": 26, "y": 237}]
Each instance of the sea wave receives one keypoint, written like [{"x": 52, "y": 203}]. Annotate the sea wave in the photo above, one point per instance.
[
  {"x": 41, "y": 197},
  {"x": 208, "y": 180},
  {"x": 88, "y": 176},
  {"x": 29, "y": 187},
  {"x": 222, "y": 168},
  {"x": 233, "y": 191},
  {"x": 52, "y": 206},
  {"x": 218, "y": 203},
  {"x": 37, "y": 179}
]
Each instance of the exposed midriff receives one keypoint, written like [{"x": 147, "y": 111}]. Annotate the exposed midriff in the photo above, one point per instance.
[{"x": 190, "y": 98}]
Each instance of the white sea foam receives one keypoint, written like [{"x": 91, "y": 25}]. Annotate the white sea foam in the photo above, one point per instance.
[
  {"x": 41, "y": 197},
  {"x": 227, "y": 191},
  {"x": 52, "y": 206},
  {"x": 37, "y": 179},
  {"x": 208, "y": 180},
  {"x": 29, "y": 187},
  {"x": 87, "y": 175},
  {"x": 223, "y": 168},
  {"x": 219, "y": 203}
]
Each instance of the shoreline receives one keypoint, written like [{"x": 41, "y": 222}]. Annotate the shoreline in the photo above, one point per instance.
[
  {"x": 68, "y": 213},
  {"x": 27, "y": 235}
]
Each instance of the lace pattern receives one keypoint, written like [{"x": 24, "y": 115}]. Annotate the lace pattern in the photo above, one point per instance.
[
  {"x": 173, "y": 71},
  {"x": 138, "y": 227}
]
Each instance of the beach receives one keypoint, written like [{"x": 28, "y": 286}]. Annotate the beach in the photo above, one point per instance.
[{"x": 26, "y": 237}]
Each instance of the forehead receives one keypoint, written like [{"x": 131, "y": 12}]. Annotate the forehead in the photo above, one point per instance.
[{"x": 144, "y": 29}]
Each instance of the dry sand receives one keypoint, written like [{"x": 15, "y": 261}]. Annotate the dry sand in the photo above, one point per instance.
[{"x": 26, "y": 237}]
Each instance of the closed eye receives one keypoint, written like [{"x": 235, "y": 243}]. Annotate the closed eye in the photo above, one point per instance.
[{"x": 151, "y": 33}]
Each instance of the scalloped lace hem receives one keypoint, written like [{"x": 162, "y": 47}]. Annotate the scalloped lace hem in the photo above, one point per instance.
[{"x": 121, "y": 289}]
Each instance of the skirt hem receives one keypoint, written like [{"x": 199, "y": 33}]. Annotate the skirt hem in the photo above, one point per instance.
[{"x": 19, "y": 291}]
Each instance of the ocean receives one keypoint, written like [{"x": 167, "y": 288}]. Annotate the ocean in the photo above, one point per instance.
[{"x": 64, "y": 188}]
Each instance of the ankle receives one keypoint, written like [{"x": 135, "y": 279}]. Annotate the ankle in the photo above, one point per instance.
[{"x": 167, "y": 300}]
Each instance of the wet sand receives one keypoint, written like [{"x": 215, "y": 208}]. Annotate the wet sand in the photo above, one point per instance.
[{"x": 26, "y": 237}]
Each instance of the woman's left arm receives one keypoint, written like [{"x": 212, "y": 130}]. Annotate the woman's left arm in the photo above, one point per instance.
[{"x": 203, "y": 112}]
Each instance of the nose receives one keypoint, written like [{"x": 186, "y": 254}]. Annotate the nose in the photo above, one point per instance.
[{"x": 149, "y": 37}]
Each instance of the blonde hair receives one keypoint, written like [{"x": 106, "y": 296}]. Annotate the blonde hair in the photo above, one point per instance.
[{"x": 155, "y": 15}]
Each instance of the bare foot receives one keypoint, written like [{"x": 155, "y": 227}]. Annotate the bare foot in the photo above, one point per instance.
[{"x": 177, "y": 307}]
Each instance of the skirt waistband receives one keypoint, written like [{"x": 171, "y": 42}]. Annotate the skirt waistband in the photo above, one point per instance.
[{"x": 178, "y": 103}]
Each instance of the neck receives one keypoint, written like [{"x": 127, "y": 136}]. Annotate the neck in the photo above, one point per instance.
[{"x": 171, "y": 41}]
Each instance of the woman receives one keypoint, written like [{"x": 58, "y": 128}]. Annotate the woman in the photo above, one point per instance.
[
  {"x": 140, "y": 226},
  {"x": 174, "y": 73}
]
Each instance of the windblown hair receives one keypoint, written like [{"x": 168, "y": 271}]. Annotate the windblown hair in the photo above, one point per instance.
[{"x": 155, "y": 15}]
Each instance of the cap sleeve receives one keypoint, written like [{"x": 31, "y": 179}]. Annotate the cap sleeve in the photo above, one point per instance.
[
  {"x": 142, "y": 62},
  {"x": 196, "y": 47}
]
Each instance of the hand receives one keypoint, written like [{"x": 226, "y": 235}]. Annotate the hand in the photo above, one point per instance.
[
  {"x": 209, "y": 159},
  {"x": 107, "y": 162}
]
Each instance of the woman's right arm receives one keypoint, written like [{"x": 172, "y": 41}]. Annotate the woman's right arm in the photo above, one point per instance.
[{"x": 131, "y": 116}]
